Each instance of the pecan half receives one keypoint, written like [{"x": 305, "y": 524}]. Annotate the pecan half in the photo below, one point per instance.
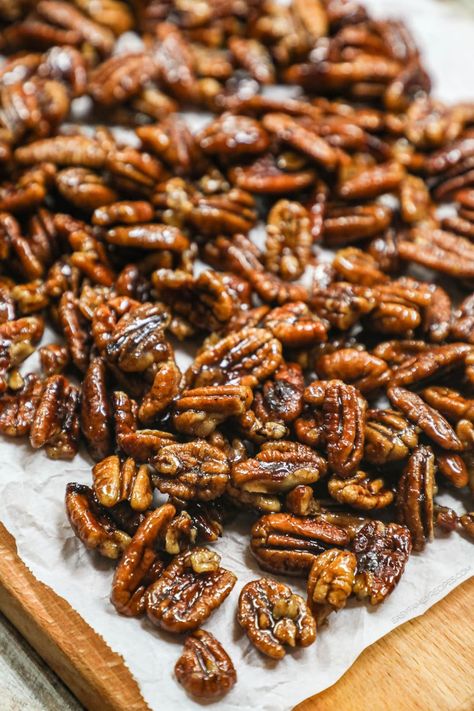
[
  {"x": 189, "y": 590},
  {"x": 382, "y": 552},
  {"x": 204, "y": 667},
  {"x": 198, "y": 412},
  {"x": 287, "y": 544},
  {"x": 116, "y": 481},
  {"x": 330, "y": 582},
  {"x": 415, "y": 496},
  {"x": 344, "y": 412},
  {"x": 389, "y": 437},
  {"x": 274, "y": 617},
  {"x": 360, "y": 491}
]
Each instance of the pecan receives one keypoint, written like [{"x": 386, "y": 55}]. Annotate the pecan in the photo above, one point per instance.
[
  {"x": 165, "y": 387},
  {"x": 175, "y": 63},
  {"x": 119, "y": 78},
  {"x": 431, "y": 362},
  {"x": 382, "y": 552},
  {"x": 190, "y": 588},
  {"x": 126, "y": 212},
  {"x": 289, "y": 240},
  {"x": 415, "y": 496},
  {"x": 231, "y": 136},
  {"x": 116, "y": 481},
  {"x": 198, "y": 412},
  {"x": 192, "y": 470},
  {"x": 17, "y": 410},
  {"x": 449, "y": 403},
  {"x": 140, "y": 565},
  {"x": 467, "y": 523},
  {"x": 433, "y": 424},
  {"x": 287, "y": 544},
  {"x": 55, "y": 419},
  {"x": 359, "y": 368},
  {"x": 204, "y": 667},
  {"x": 274, "y": 617},
  {"x": 463, "y": 322},
  {"x": 345, "y": 225},
  {"x": 246, "y": 357},
  {"x": 453, "y": 467},
  {"x": 95, "y": 411},
  {"x": 173, "y": 143},
  {"x": 344, "y": 412},
  {"x": 91, "y": 524},
  {"x": 54, "y": 358},
  {"x": 254, "y": 57},
  {"x": 301, "y": 502},
  {"x": 282, "y": 396},
  {"x": 63, "y": 150},
  {"x": 292, "y": 132},
  {"x": 358, "y": 267},
  {"x": 342, "y": 304},
  {"x": 360, "y": 491},
  {"x": 295, "y": 326},
  {"x": 70, "y": 18},
  {"x": 389, "y": 437},
  {"x": 371, "y": 182},
  {"x": 83, "y": 188},
  {"x": 278, "y": 467},
  {"x": 330, "y": 582},
  {"x": 33, "y": 109},
  {"x": 442, "y": 251},
  {"x": 269, "y": 176}
]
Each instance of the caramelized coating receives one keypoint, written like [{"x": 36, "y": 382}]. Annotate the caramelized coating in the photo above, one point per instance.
[{"x": 204, "y": 667}]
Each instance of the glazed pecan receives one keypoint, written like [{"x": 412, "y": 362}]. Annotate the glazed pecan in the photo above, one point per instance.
[
  {"x": 148, "y": 237},
  {"x": 172, "y": 141},
  {"x": 289, "y": 240},
  {"x": 75, "y": 330},
  {"x": 301, "y": 138},
  {"x": 467, "y": 523},
  {"x": 430, "y": 421},
  {"x": 389, "y": 437},
  {"x": 345, "y": 225},
  {"x": 190, "y": 588},
  {"x": 358, "y": 267},
  {"x": 344, "y": 412},
  {"x": 415, "y": 496},
  {"x": 330, "y": 582},
  {"x": 91, "y": 524},
  {"x": 359, "y": 368},
  {"x": 116, "y": 481},
  {"x": 17, "y": 409},
  {"x": 56, "y": 420},
  {"x": 193, "y": 470},
  {"x": 282, "y": 396},
  {"x": 268, "y": 175},
  {"x": 295, "y": 326},
  {"x": 125, "y": 212},
  {"x": 198, "y": 412},
  {"x": 165, "y": 387},
  {"x": 287, "y": 544},
  {"x": 274, "y": 617},
  {"x": 360, "y": 491},
  {"x": 95, "y": 410},
  {"x": 431, "y": 362},
  {"x": 119, "y": 78},
  {"x": 140, "y": 565},
  {"x": 54, "y": 358},
  {"x": 442, "y": 251},
  {"x": 246, "y": 357},
  {"x": 232, "y": 136},
  {"x": 278, "y": 467},
  {"x": 453, "y": 467},
  {"x": 382, "y": 552},
  {"x": 342, "y": 304},
  {"x": 204, "y": 667},
  {"x": 450, "y": 403}
]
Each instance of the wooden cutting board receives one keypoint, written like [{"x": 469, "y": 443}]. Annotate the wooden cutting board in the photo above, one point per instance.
[{"x": 427, "y": 664}]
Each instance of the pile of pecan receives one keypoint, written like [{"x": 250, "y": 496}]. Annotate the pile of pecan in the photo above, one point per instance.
[{"x": 328, "y": 400}]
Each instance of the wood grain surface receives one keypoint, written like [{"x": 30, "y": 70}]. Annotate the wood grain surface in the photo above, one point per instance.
[{"x": 424, "y": 665}]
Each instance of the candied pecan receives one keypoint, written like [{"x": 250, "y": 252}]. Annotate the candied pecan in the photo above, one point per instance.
[
  {"x": 344, "y": 225},
  {"x": 268, "y": 176},
  {"x": 132, "y": 171},
  {"x": 91, "y": 524},
  {"x": 301, "y": 502},
  {"x": 254, "y": 57},
  {"x": 128, "y": 212},
  {"x": 204, "y": 667},
  {"x": 433, "y": 424},
  {"x": 309, "y": 428},
  {"x": 17, "y": 409},
  {"x": 190, "y": 588},
  {"x": 116, "y": 481},
  {"x": 289, "y": 240},
  {"x": 389, "y": 437},
  {"x": 358, "y": 267},
  {"x": 342, "y": 304},
  {"x": 73, "y": 150},
  {"x": 34, "y": 108},
  {"x": 70, "y": 18},
  {"x": 95, "y": 410},
  {"x": 453, "y": 467},
  {"x": 467, "y": 523},
  {"x": 231, "y": 136},
  {"x": 262, "y": 503},
  {"x": 274, "y": 617},
  {"x": 428, "y": 362},
  {"x": 16, "y": 343},
  {"x": 165, "y": 387},
  {"x": 382, "y": 552},
  {"x": 290, "y": 131},
  {"x": 415, "y": 201},
  {"x": 198, "y": 412},
  {"x": 245, "y": 357},
  {"x": 445, "y": 518},
  {"x": 463, "y": 321},
  {"x": 415, "y": 496},
  {"x": 143, "y": 445},
  {"x": 371, "y": 181},
  {"x": 54, "y": 358},
  {"x": 359, "y": 368},
  {"x": 46, "y": 423},
  {"x": 449, "y": 403},
  {"x": 282, "y": 396},
  {"x": 112, "y": 13},
  {"x": 175, "y": 63},
  {"x": 206, "y": 300},
  {"x": 287, "y": 544},
  {"x": 140, "y": 565},
  {"x": 442, "y": 251},
  {"x": 295, "y": 326},
  {"x": 83, "y": 188},
  {"x": 330, "y": 582},
  {"x": 278, "y": 467},
  {"x": 191, "y": 470},
  {"x": 172, "y": 141},
  {"x": 360, "y": 491},
  {"x": 344, "y": 412},
  {"x": 117, "y": 79}
]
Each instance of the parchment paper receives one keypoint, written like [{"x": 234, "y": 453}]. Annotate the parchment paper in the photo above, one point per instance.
[{"x": 31, "y": 506}]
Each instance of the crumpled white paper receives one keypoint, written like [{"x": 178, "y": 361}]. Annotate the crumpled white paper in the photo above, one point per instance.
[{"x": 31, "y": 506}]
